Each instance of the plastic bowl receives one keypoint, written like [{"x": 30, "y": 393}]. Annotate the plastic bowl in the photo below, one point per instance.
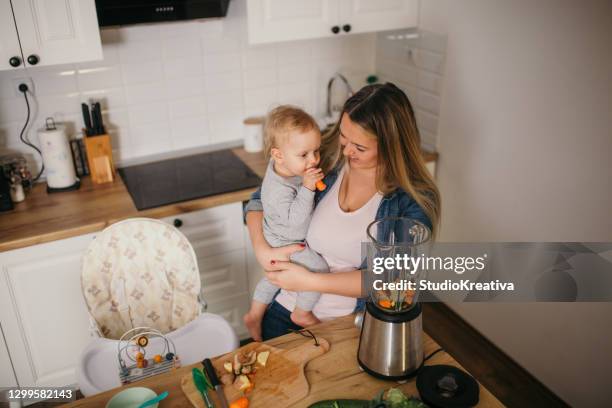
[{"x": 132, "y": 398}]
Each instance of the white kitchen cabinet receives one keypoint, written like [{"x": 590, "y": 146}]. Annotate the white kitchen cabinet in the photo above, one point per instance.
[
  {"x": 7, "y": 375},
  {"x": 217, "y": 237},
  {"x": 284, "y": 20},
  {"x": 43, "y": 315},
  {"x": 366, "y": 15},
  {"x": 42, "y": 311},
  {"x": 9, "y": 43},
  {"x": 48, "y": 32}
]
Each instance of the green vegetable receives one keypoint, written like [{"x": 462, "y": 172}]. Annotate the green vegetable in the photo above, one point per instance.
[
  {"x": 341, "y": 403},
  {"x": 397, "y": 399}
]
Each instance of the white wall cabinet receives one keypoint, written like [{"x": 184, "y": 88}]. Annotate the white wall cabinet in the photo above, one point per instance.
[
  {"x": 284, "y": 20},
  {"x": 43, "y": 315},
  {"x": 48, "y": 32}
]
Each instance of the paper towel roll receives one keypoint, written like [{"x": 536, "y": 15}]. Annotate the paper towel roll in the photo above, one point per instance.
[{"x": 57, "y": 157}]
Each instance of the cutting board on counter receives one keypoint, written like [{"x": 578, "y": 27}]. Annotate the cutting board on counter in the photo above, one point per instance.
[{"x": 280, "y": 383}]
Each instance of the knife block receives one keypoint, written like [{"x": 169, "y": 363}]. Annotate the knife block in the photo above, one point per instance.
[{"x": 100, "y": 158}]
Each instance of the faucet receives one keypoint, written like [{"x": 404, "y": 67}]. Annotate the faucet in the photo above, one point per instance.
[{"x": 337, "y": 75}]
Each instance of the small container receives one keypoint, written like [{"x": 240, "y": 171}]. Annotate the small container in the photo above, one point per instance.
[{"x": 253, "y": 134}]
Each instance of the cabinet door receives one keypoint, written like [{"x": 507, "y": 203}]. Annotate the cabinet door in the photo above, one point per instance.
[
  {"x": 43, "y": 315},
  {"x": 58, "y": 31},
  {"x": 283, "y": 20},
  {"x": 9, "y": 44},
  {"x": 7, "y": 375},
  {"x": 366, "y": 15}
]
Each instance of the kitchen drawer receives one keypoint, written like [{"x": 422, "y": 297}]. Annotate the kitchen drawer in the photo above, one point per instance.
[
  {"x": 223, "y": 275},
  {"x": 213, "y": 230},
  {"x": 232, "y": 308}
]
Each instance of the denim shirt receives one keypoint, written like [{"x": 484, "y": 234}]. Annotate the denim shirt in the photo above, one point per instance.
[{"x": 397, "y": 203}]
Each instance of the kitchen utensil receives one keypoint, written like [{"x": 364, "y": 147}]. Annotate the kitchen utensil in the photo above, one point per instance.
[
  {"x": 280, "y": 383},
  {"x": 154, "y": 401},
  {"x": 446, "y": 386},
  {"x": 202, "y": 385},
  {"x": 100, "y": 122},
  {"x": 214, "y": 380},
  {"x": 390, "y": 344},
  {"x": 132, "y": 398},
  {"x": 87, "y": 119},
  {"x": 94, "y": 120},
  {"x": 57, "y": 157}
]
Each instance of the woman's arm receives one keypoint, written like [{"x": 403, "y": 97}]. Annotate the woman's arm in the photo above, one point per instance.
[
  {"x": 264, "y": 253},
  {"x": 291, "y": 276}
]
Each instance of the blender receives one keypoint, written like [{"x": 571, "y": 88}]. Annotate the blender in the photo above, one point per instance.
[{"x": 391, "y": 343}]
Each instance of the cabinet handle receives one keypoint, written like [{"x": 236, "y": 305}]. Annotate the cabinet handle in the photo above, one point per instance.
[
  {"x": 178, "y": 223},
  {"x": 335, "y": 29},
  {"x": 33, "y": 59},
  {"x": 346, "y": 28},
  {"x": 15, "y": 61}
]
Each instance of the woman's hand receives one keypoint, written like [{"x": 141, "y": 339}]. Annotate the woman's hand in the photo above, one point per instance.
[
  {"x": 265, "y": 254},
  {"x": 290, "y": 276}
]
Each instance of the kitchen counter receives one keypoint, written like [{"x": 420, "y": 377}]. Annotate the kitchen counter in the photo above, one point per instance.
[
  {"x": 334, "y": 375},
  {"x": 44, "y": 217}
]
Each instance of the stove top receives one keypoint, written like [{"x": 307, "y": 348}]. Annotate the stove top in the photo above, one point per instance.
[{"x": 187, "y": 178}]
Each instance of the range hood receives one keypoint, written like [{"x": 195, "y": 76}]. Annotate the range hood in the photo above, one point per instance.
[{"x": 122, "y": 12}]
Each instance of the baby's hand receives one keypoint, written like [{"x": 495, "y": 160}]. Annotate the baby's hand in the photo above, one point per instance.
[{"x": 310, "y": 178}]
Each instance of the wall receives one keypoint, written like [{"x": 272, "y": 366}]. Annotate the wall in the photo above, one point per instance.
[
  {"x": 173, "y": 86},
  {"x": 413, "y": 60},
  {"x": 525, "y": 141}
]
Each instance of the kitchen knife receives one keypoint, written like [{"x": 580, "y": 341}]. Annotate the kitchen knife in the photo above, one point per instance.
[
  {"x": 202, "y": 385},
  {"x": 214, "y": 380},
  {"x": 94, "y": 120},
  {"x": 101, "y": 129},
  {"x": 86, "y": 119}
]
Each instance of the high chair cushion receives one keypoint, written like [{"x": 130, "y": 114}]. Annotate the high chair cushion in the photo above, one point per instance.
[{"x": 140, "y": 272}]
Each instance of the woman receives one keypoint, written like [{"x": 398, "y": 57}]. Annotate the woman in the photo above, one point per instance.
[{"x": 374, "y": 169}]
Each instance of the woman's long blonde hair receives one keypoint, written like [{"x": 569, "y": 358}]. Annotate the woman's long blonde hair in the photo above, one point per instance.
[{"x": 385, "y": 112}]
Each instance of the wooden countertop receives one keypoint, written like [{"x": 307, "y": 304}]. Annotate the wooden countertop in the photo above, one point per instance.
[
  {"x": 44, "y": 217},
  {"x": 334, "y": 375}
]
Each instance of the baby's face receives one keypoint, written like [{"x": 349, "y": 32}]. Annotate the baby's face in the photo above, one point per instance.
[{"x": 300, "y": 151}]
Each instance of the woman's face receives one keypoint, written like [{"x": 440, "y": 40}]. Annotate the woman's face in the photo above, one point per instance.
[{"x": 358, "y": 146}]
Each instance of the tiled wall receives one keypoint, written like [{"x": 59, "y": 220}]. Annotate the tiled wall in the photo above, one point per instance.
[
  {"x": 414, "y": 60},
  {"x": 173, "y": 86}
]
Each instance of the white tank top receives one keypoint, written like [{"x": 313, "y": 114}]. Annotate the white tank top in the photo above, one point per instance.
[{"x": 337, "y": 236}]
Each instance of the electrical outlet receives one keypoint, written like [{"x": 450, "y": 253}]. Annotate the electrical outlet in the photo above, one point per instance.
[{"x": 27, "y": 81}]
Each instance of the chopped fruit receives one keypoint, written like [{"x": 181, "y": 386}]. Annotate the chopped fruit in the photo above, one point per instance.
[
  {"x": 243, "y": 382},
  {"x": 251, "y": 357},
  {"x": 227, "y": 379},
  {"x": 262, "y": 357},
  {"x": 228, "y": 367},
  {"x": 385, "y": 303},
  {"x": 320, "y": 185},
  {"x": 237, "y": 364},
  {"x": 242, "y": 402}
]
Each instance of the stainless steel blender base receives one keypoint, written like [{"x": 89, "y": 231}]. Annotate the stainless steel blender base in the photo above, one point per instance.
[{"x": 391, "y": 345}]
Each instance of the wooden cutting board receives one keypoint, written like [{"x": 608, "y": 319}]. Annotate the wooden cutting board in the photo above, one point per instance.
[{"x": 280, "y": 383}]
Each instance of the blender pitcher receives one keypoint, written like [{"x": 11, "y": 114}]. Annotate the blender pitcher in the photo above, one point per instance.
[
  {"x": 391, "y": 344},
  {"x": 393, "y": 238}
]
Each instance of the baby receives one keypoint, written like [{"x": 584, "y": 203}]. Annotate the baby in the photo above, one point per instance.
[{"x": 292, "y": 140}]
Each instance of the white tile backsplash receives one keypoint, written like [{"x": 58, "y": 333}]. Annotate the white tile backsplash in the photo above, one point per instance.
[
  {"x": 414, "y": 60},
  {"x": 178, "y": 85}
]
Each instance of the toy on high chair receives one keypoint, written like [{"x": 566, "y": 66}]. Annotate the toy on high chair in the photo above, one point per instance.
[{"x": 132, "y": 348}]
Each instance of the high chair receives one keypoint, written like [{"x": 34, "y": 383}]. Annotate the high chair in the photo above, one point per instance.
[{"x": 143, "y": 273}]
